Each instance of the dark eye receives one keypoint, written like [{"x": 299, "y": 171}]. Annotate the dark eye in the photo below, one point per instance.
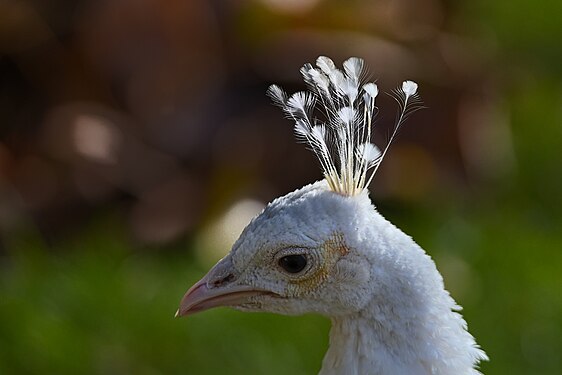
[{"x": 293, "y": 263}]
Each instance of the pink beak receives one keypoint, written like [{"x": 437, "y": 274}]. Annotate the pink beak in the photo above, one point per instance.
[{"x": 200, "y": 297}]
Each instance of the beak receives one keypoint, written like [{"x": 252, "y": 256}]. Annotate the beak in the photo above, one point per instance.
[{"x": 201, "y": 297}]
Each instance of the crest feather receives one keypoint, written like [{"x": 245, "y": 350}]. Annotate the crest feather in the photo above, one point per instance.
[{"x": 342, "y": 142}]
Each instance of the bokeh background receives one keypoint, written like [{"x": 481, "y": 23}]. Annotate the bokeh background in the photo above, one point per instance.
[{"x": 136, "y": 142}]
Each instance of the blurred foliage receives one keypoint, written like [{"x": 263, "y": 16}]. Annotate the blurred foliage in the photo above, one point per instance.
[
  {"x": 89, "y": 312},
  {"x": 100, "y": 297}
]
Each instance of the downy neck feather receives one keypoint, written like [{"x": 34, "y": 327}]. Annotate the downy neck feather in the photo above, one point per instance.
[{"x": 411, "y": 326}]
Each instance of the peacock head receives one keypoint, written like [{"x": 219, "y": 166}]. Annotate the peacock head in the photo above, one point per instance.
[
  {"x": 304, "y": 252},
  {"x": 301, "y": 254}
]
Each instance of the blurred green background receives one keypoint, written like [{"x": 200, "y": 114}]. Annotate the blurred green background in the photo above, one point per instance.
[{"x": 136, "y": 142}]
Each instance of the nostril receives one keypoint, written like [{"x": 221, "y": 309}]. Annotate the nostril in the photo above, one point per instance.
[{"x": 228, "y": 278}]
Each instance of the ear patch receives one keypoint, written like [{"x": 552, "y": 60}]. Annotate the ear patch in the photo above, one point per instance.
[{"x": 336, "y": 244}]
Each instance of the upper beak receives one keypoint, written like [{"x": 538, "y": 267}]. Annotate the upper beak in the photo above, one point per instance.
[{"x": 201, "y": 297}]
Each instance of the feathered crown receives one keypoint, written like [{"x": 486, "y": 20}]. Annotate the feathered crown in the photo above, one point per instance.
[{"x": 342, "y": 139}]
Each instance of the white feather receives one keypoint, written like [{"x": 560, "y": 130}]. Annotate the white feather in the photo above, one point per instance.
[
  {"x": 371, "y": 90},
  {"x": 346, "y": 115},
  {"x": 300, "y": 103},
  {"x": 301, "y": 130},
  {"x": 338, "y": 80},
  {"x": 319, "y": 132},
  {"x": 369, "y": 152},
  {"x": 409, "y": 88},
  {"x": 325, "y": 64},
  {"x": 353, "y": 68},
  {"x": 314, "y": 77},
  {"x": 320, "y": 80},
  {"x": 277, "y": 94},
  {"x": 343, "y": 142}
]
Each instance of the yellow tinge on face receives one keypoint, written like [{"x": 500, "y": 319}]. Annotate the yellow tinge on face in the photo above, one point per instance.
[{"x": 328, "y": 255}]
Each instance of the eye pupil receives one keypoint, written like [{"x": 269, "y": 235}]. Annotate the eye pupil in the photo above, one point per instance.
[{"x": 293, "y": 263}]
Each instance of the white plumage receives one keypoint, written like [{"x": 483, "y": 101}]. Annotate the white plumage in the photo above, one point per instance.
[{"x": 325, "y": 249}]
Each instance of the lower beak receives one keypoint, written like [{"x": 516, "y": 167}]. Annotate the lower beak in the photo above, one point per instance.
[{"x": 200, "y": 297}]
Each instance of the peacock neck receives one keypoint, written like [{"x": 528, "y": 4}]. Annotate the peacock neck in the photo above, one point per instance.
[
  {"x": 361, "y": 344},
  {"x": 409, "y": 327}
]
